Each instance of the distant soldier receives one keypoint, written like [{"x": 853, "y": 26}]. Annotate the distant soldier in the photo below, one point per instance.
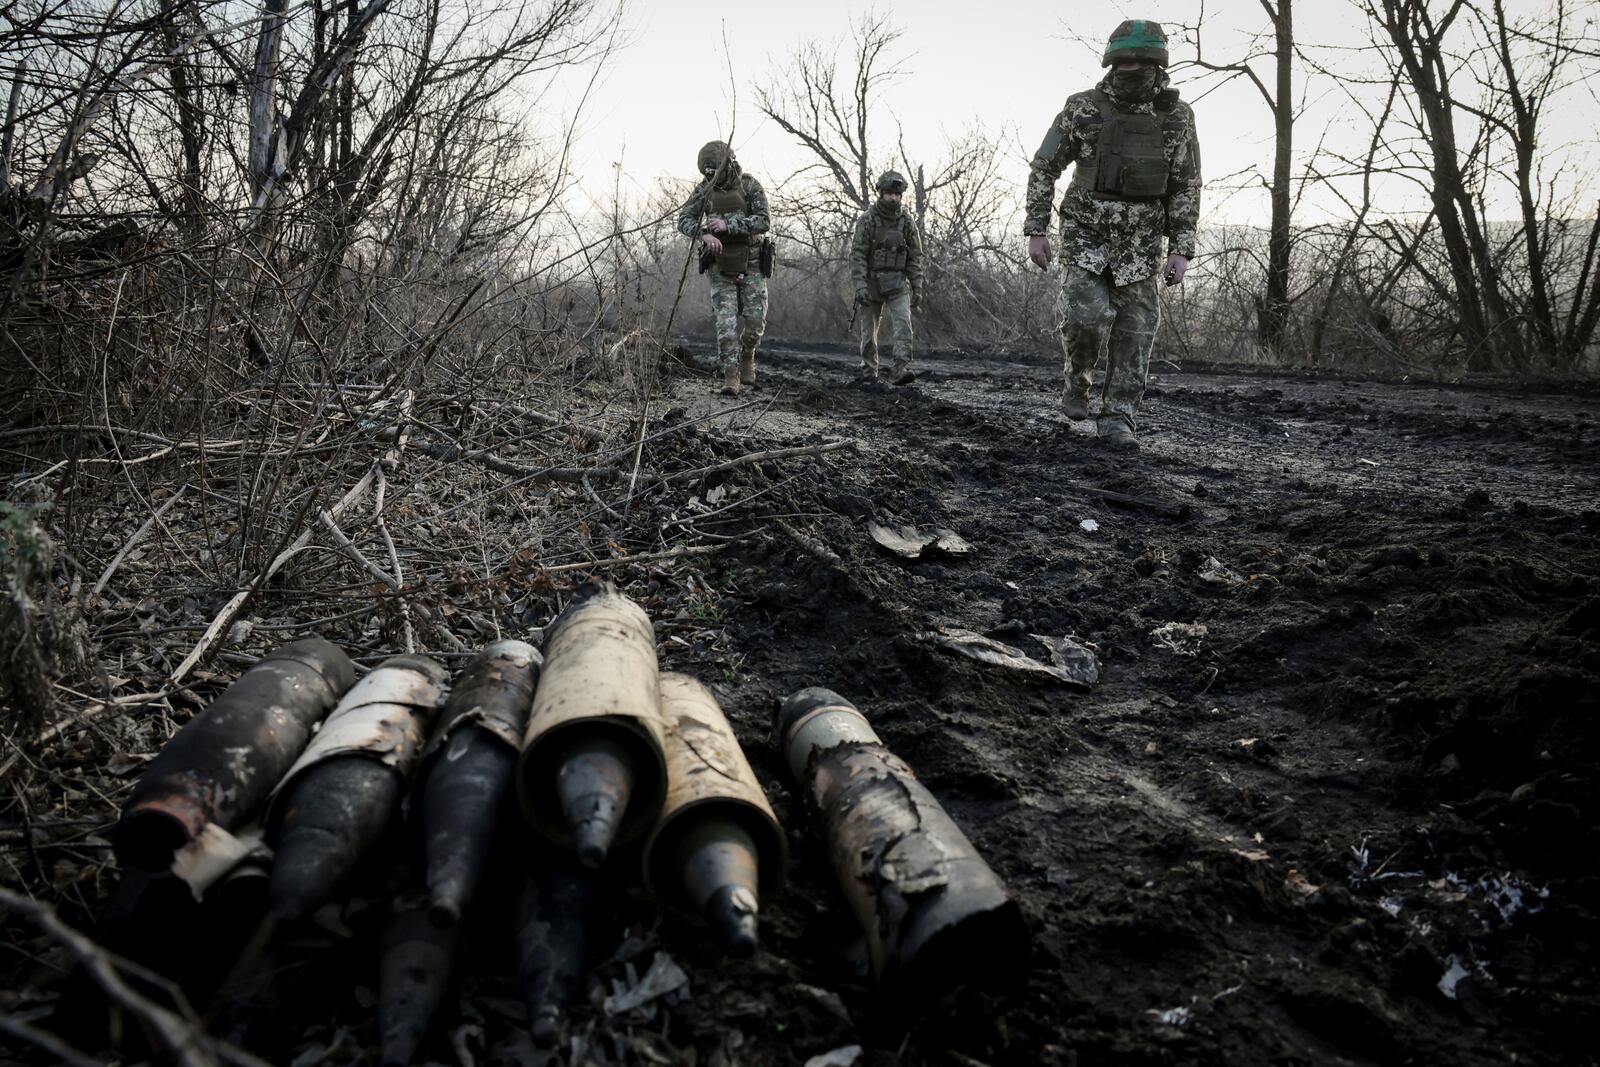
[
  {"x": 728, "y": 213},
  {"x": 1137, "y": 180},
  {"x": 886, "y": 265}
]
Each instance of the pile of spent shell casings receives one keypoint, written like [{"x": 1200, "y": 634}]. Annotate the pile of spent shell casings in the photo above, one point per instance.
[{"x": 298, "y": 787}]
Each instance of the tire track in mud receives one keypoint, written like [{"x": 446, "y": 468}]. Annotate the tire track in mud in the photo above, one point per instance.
[{"x": 1194, "y": 840}]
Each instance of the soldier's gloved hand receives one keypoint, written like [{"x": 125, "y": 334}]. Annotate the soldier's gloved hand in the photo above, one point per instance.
[
  {"x": 713, "y": 245},
  {"x": 916, "y": 300},
  {"x": 716, "y": 225},
  {"x": 1039, "y": 250},
  {"x": 861, "y": 296},
  {"x": 1176, "y": 265}
]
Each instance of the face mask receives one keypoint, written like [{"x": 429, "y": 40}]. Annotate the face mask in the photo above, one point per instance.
[{"x": 1138, "y": 86}]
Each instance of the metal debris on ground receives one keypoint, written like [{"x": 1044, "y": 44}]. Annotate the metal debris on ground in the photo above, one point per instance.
[
  {"x": 1215, "y": 571},
  {"x": 911, "y": 542},
  {"x": 663, "y": 977},
  {"x": 1184, "y": 638},
  {"x": 1071, "y": 661},
  {"x": 1089, "y": 526}
]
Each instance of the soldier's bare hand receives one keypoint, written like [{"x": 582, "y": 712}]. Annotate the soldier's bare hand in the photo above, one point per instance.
[
  {"x": 713, "y": 245},
  {"x": 717, "y": 225},
  {"x": 1176, "y": 265},
  {"x": 1040, "y": 252}
]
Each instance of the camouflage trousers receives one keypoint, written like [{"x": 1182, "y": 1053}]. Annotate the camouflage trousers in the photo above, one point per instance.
[
  {"x": 897, "y": 339},
  {"x": 1117, "y": 321},
  {"x": 739, "y": 306}
]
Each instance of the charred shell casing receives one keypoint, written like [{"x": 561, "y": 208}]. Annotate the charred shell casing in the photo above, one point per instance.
[
  {"x": 717, "y": 849},
  {"x": 592, "y": 771},
  {"x": 340, "y": 797},
  {"x": 467, "y": 771},
  {"x": 935, "y": 916},
  {"x": 554, "y": 916},
  {"x": 222, "y": 766},
  {"x": 413, "y": 976}
]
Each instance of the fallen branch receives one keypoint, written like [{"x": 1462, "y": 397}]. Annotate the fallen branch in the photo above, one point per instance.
[
  {"x": 1159, "y": 507},
  {"x": 224, "y": 620},
  {"x": 138, "y": 535},
  {"x": 759, "y": 457},
  {"x": 188, "y": 1044},
  {"x": 644, "y": 557},
  {"x": 815, "y": 549},
  {"x": 501, "y": 465}
]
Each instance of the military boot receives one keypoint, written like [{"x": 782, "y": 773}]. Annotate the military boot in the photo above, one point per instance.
[
  {"x": 1116, "y": 433},
  {"x": 900, "y": 373},
  {"x": 1075, "y": 405},
  {"x": 730, "y": 382},
  {"x": 747, "y": 368}
]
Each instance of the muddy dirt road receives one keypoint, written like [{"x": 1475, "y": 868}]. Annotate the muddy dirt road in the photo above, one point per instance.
[
  {"x": 1332, "y": 799},
  {"x": 1344, "y": 813}
]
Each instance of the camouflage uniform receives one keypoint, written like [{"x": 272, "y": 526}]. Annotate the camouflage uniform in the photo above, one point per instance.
[
  {"x": 886, "y": 265},
  {"x": 1111, "y": 247},
  {"x": 739, "y": 299}
]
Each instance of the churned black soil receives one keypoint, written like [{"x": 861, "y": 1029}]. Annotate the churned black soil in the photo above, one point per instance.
[{"x": 1356, "y": 824}]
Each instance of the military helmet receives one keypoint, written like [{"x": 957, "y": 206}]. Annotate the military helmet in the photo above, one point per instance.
[
  {"x": 891, "y": 181},
  {"x": 1136, "y": 39},
  {"x": 712, "y": 154}
]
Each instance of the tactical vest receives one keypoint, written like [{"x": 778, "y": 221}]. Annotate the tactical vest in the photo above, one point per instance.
[
  {"x": 1130, "y": 156},
  {"x": 887, "y": 254},
  {"x": 735, "y": 257}
]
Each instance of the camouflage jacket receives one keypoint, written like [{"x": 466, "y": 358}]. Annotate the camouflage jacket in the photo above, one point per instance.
[
  {"x": 870, "y": 224},
  {"x": 754, "y": 220},
  {"x": 1122, "y": 236}
]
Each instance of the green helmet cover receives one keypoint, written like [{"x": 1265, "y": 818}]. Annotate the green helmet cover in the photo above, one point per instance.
[
  {"x": 712, "y": 153},
  {"x": 892, "y": 181},
  {"x": 1136, "y": 39}
]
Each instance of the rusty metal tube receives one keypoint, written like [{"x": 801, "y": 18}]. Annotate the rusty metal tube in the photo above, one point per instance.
[
  {"x": 418, "y": 961},
  {"x": 468, "y": 769},
  {"x": 934, "y": 914},
  {"x": 554, "y": 916},
  {"x": 717, "y": 850},
  {"x": 222, "y": 766},
  {"x": 592, "y": 773},
  {"x": 340, "y": 798}
]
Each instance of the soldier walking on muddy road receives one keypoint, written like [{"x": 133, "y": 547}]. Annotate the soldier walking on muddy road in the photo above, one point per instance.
[
  {"x": 886, "y": 266},
  {"x": 1137, "y": 180},
  {"x": 727, "y": 212}
]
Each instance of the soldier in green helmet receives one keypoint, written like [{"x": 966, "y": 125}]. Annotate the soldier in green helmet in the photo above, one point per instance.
[
  {"x": 1136, "y": 182},
  {"x": 727, "y": 214},
  {"x": 886, "y": 266}
]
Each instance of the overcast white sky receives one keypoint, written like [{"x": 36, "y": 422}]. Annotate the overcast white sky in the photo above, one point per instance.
[{"x": 1006, "y": 66}]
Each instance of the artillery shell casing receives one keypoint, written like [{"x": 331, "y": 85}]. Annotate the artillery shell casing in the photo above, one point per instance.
[
  {"x": 554, "y": 916},
  {"x": 934, "y": 914},
  {"x": 339, "y": 810},
  {"x": 413, "y": 976},
  {"x": 717, "y": 849},
  {"x": 468, "y": 770},
  {"x": 222, "y": 766},
  {"x": 598, "y": 700},
  {"x": 339, "y": 799}
]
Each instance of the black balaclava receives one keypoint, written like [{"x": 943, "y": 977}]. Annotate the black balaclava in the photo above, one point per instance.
[{"x": 1137, "y": 86}]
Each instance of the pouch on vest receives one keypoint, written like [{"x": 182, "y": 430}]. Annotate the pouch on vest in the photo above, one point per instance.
[
  {"x": 888, "y": 282},
  {"x": 768, "y": 256},
  {"x": 734, "y": 259},
  {"x": 1132, "y": 159}
]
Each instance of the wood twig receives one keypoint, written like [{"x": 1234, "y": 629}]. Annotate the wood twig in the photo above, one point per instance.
[
  {"x": 645, "y": 557},
  {"x": 1123, "y": 500},
  {"x": 138, "y": 535},
  {"x": 759, "y": 457},
  {"x": 220, "y": 625}
]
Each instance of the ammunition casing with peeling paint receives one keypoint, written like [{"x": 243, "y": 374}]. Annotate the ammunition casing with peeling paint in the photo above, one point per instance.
[
  {"x": 419, "y": 959},
  {"x": 554, "y": 916},
  {"x": 340, "y": 798},
  {"x": 468, "y": 769},
  {"x": 222, "y": 766},
  {"x": 934, "y": 914},
  {"x": 717, "y": 849},
  {"x": 592, "y": 772}
]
